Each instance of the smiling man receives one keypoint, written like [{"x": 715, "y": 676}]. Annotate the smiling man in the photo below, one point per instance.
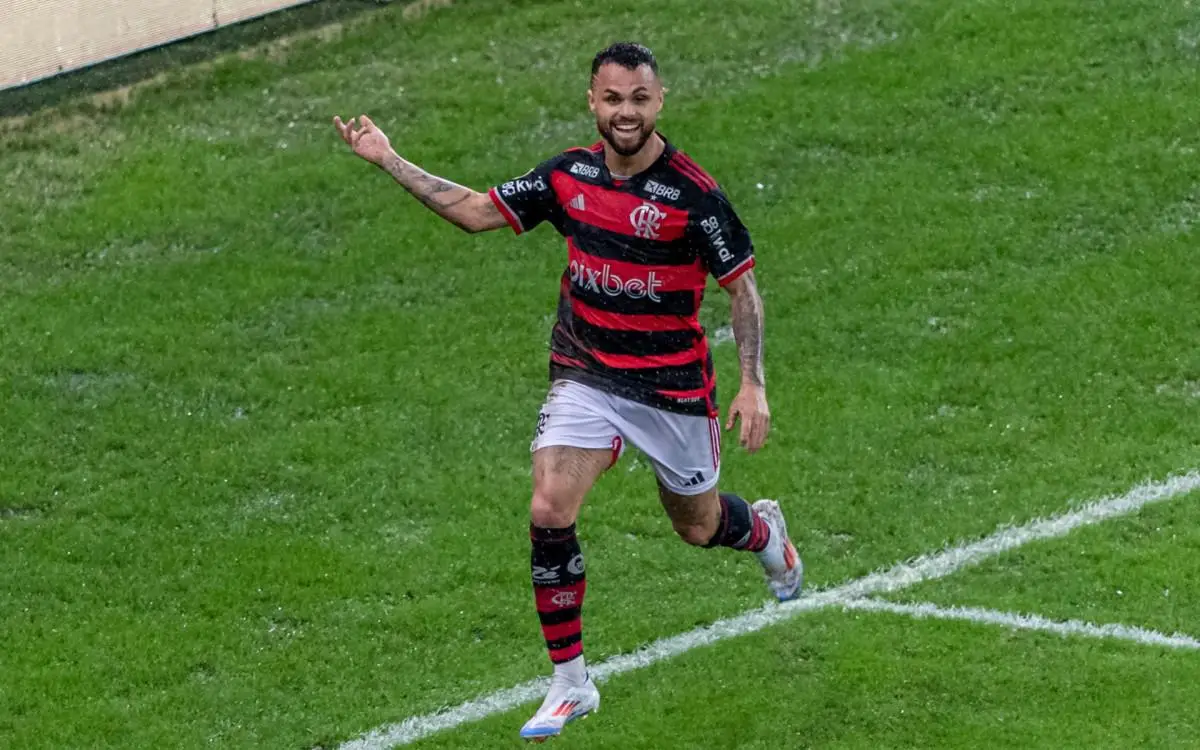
[{"x": 629, "y": 361}]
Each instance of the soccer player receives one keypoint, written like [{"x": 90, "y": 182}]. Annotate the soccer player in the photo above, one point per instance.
[{"x": 629, "y": 361}]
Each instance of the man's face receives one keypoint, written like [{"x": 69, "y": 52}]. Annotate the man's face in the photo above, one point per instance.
[{"x": 626, "y": 104}]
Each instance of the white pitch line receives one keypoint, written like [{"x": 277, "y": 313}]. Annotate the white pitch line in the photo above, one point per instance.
[
  {"x": 1019, "y": 621},
  {"x": 900, "y": 576}
]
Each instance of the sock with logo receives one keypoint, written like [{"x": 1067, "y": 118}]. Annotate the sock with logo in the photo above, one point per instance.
[
  {"x": 740, "y": 527},
  {"x": 558, "y": 588}
]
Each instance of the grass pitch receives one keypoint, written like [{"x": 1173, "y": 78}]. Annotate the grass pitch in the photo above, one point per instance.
[{"x": 266, "y": 419}]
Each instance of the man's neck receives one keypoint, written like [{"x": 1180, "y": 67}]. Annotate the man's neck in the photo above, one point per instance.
[{"x": 627, "y": 166}]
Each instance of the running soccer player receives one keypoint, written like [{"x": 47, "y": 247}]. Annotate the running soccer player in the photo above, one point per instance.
[{"x": 629, "y": 360}]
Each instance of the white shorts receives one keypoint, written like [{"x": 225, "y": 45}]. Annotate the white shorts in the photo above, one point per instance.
[{"x": 685, "y": 449}]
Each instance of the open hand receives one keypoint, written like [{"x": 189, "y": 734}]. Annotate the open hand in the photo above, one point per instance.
[
  {"x": 368, "y": 141},
  {"x": 750, "y": 405}
]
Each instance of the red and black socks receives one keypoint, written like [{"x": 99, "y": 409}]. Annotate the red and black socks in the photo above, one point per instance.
[
  {"x": 740, "y": 527},
  {"x": 558, "y": 588}
]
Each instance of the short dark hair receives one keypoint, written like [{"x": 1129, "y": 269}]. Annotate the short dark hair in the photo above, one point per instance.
[{"x": 630, "y": 55}]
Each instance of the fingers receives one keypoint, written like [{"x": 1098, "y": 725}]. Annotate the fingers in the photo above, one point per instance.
[
  {"x": 344, "y": 129},
  {"x": 355, "y": 129},
  {"x": 761, "y": 425},
  {"x": 351, "y": 131},
  {"x": 736, "y": 413},
  {"x": 755, "y": 424}
]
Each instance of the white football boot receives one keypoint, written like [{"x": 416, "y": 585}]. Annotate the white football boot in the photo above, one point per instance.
[
  {"x": 564, "y": 703},
  {"x": 781, "y": 563}
]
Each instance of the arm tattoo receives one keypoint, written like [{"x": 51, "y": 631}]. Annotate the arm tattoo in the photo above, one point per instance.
[
  {"x": 442, "y": 196},
  {"x": 747, "y": 312}
]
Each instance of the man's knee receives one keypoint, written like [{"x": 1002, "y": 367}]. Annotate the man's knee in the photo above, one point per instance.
[
  {"x": 552, "y": 510},
  {"x": 695, "y": 518},
  {"x": 562, "y": 477}
]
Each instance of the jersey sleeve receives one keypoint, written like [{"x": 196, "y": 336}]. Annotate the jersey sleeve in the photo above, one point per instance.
[
  {"x": 721, "y": 239},
  {"x": 528, "y": 200}
]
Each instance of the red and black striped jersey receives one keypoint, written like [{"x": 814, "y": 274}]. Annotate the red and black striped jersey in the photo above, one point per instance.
[{"x": 639, "y": 252}]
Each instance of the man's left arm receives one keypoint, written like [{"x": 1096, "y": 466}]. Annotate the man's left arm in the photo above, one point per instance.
[
  {"x": 746, "y": 309},
  {"x": 750, "y": 404},
  {"x": 724, "y": 244}
]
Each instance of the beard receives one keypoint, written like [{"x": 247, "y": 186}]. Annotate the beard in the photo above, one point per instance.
[{"x": 629, "y": 143}]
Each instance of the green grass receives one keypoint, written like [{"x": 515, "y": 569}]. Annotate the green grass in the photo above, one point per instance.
[
  {"x": 266, "y": 424},
  {"x": 1142, "y": 571},
  {"x": 864, "y": 681}
]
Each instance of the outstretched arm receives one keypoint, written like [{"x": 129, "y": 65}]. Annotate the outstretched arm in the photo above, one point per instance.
[
  {"x": 750, "y": 404},
  {"x": 463, "y": 207}
]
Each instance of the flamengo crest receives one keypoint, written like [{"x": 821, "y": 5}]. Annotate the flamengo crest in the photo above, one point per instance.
[{"x": 647, "y": 220}]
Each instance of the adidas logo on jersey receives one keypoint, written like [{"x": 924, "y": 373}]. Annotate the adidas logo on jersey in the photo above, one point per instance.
[{"x": 577, "y": 203}]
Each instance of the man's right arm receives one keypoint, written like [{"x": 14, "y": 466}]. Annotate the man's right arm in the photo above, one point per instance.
[{"x": 463, "y": 207}]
